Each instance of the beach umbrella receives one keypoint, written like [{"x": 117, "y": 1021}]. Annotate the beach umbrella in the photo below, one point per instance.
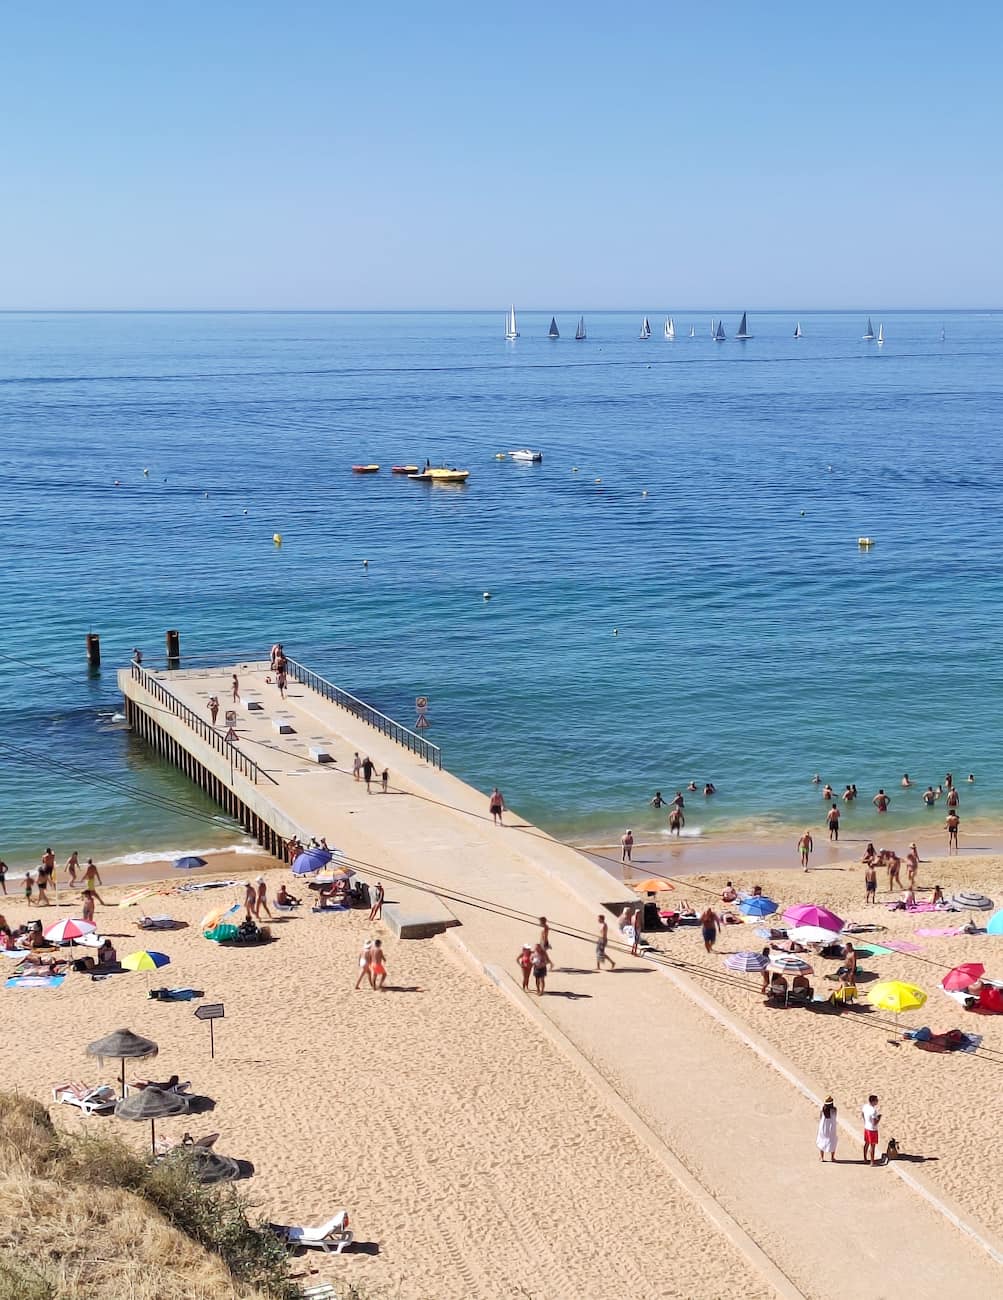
[
  {"x": 69, "y": 931},
  {"x": 214, "y": 917},
  {"x": 310, "y": 860},
  {"x": 653, "y": 886},
  {"x": 757, "y": 905},
  {"x": 346, "y": 873},
  {"x": 995, "y": 924},
  {"x": 145, "y": 960},
  {"x": 894, "y": 995},
  {"x": 963, "y": 976},
  {"x": 971, "y": 901},
  {"x": 789, "y": 963},
  {"x": 123, "y": 1045},
  {"x": 746, "y": 961},
  {"x": 208, "y": 1166},
  {"x": 810, "y": 914},
  {"x": 151, "y": 1104},
  {"x": 810, "y": 934},
  {"x": 190, "y": 863}
]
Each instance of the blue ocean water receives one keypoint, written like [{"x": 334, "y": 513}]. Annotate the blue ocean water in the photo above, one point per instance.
[{"x": 702, "y": 499}]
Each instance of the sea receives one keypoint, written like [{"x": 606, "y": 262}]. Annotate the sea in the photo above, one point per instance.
[{"x": 676, "y": 593}]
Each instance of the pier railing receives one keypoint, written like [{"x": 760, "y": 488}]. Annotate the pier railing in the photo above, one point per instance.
[
  {"x": 402, "y": 735},
  {"x": 242, "y": 762}
]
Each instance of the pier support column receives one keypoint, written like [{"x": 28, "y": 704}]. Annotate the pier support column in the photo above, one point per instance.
[
  {"x": 173, "y": 639},
  {"x": 93, "y": 650}
]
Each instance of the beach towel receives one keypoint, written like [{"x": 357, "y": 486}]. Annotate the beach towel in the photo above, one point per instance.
[
  {"x": 954, "y": 1040},
  {"x": 941, "y": 933},
  {"x": 35, "y": 981},
  {"x": 903, "y": 945},
  {"x": 874, "y": 950}
]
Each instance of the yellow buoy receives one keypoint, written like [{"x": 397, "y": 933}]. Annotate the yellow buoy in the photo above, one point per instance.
[
  {"x": 277, "y": 538},
  {"x": 865, "y": 541}
]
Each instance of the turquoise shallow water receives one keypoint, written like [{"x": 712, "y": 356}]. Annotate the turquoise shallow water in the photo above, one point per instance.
[{"x": 756, "y": 645}]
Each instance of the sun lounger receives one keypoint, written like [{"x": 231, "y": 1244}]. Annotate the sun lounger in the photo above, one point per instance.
[
  {"x": 172, "y": 1085},
  {"x": 92, "y": 1101},
  {"x": 331, "y": 1237},
  {"x": 844, "y": 995}
]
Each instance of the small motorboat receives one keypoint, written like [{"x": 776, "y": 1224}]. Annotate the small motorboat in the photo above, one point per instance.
[
  {"x": 524, "y": 454},
  {"x": 365, "y": 469},
  {"x": 440, "y": 474},
  {"x": 404, "y": 469}
]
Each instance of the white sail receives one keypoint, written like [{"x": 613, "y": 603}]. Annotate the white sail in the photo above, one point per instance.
[
  {"x": 881, "y": 335},
  {"x": 670, "y": 328},
  {"x": 645, "y": 329},
  {"x": 693, "y": 331},
  {"x": 511, "y": 329},
  {"x": 869, "y": 332},
  {"x": 713, "y": 327},
  {"x": 797, "y": 330},
  {"x": 743, "y": 328},
  {"x": 580, "y": 331},
  {"x": 719, "y": 337}
]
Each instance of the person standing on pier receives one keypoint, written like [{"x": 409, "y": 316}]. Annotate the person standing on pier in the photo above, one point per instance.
[
  {"x": 236, "y": 689},
  {"x": 280, "y": 682},
  {"x": 368, "y": 768},
  {"x": 376, "y": 911},
  {"x": 213, "y": 707},
  {"x": 496, "y": 805}
]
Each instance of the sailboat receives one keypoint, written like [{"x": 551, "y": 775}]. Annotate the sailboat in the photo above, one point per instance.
[
  {"x": 743, "y": 328},
  {"x": 553, "y": 332},
  {"x": 645, "y": 329},
  {"x": 881, "y": 336},
  {"x": 719, "y": 337},
  {"x": 943, "y": 334},
  {"x": 670, "y": 328},
  {"x": 797, "y": 330},
  {"x": 869, "y": 332},
  {"x": 580, "y": 331},
  {"x": 693, "y": 331},
  {"x": 511, "y": 328},
  {"x": 713, "y": 327}
]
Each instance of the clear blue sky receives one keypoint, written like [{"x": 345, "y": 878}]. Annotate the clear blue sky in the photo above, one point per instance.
[{"x": 358, "y": 155}]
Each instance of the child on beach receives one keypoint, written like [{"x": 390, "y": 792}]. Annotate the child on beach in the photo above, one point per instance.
[
  {"x": 377, "y": 965},
  {"x": 525, "y": 960},
  {"x": 365, "y": 964},
  {"x": 29, "y": 884}
]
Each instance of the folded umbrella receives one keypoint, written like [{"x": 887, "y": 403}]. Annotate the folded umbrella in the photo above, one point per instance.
[{"x": 810, "y": 914}]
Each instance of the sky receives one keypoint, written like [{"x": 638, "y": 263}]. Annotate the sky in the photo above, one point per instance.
[{"x": 337, "y": 156}]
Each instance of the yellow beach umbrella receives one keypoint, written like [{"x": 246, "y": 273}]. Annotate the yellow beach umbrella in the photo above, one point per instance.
[
  {"x": 145, "y": 960},
  {"x": 894, "y": 995},
  {"x": 653, "y": 886}
]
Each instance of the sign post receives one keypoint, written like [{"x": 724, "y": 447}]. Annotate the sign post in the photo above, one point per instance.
[
  {"x": 210, "y": 1011},
  {"x": 421, "y": 708}
]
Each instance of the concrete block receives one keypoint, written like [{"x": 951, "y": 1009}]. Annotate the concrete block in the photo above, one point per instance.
[
  {"x": 320, "y": 754},
  {"x": 412, "y": 923},
  {"x": 251, "y": 705},
  {"x": 282, "y": 726}
]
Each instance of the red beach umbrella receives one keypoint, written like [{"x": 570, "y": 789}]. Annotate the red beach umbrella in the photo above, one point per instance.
[{"x": 964, "y": 976}]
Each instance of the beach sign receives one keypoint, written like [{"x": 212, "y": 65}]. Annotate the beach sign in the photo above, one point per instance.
[
  {"x": 421, "y": 708},
  {"x": 210, "y": 1011}
]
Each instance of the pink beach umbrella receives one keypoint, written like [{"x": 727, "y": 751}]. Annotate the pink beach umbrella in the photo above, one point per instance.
[
  {"x": 69, "y": 930},
  {"x": 809, "y": 914},
  {"x": 964, "y": 976}
]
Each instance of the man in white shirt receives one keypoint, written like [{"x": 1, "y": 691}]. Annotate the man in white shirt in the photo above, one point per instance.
[{"x": 872, "y": 1118}]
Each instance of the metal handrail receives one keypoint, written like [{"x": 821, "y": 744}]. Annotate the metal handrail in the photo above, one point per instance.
[
  {"x": 401, "y": 734},
  {"x": 242, "y": 762}
]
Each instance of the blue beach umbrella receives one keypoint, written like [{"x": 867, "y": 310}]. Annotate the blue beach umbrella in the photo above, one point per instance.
[
  {"x": 757, "y": 906},
  {"x": 189, "y": 863},
  {"x": 995, "y": 923},
  {"x": 311, "y": 860}
]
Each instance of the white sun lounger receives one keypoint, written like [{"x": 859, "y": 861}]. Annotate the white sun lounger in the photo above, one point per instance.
[
  {"x": 331, "y": 1237},
  {"x": 92, "y": 1101}
]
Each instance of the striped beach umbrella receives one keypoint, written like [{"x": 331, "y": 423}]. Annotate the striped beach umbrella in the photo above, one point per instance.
[
  {"x": 789, "y": 963},
  {"x": 68, "y": 930},
  {"x": 758, "y": 905},
  {"x": 811, "y": 914},
  {"x": 144, "y": 960},
  {"x": 746, "y": 962}
]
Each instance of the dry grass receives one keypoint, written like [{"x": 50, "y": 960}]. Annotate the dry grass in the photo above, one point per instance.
[{"x": 86, "y": 1219}]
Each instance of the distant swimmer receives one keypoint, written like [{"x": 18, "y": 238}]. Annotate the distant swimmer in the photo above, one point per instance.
[
  {"x": 971, "y": 778},
  {"x": 905, "y": 781},
  {"x": 710, "y": 788},
  {"x": 949, "y": 780},
  {"x": 657, "y": 800},
  {"x": 678, "y": 801},
  {"x": 881, "y": 801},
  {"x": 692, "y": 787},
  {"x": 816, "y": 779},
  {"x": 929, "y": 798},
  {"x": 848, "y": 794},
  {"x": 827, "y": 791}
]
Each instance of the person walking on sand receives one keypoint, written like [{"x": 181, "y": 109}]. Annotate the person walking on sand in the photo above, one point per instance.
[
  {"x": 525, "y": 960},
  {"x": 828, "y": 1134},
  {"x": 236, "y": 689},
  {"x": 43, "y": 887},
  {"x": 881, "y": 801},
  {"x": 261, "y": 899},
  {"x": 832, "y": 820},
  {"x": 601, "y": 942},
  {"x": 872, "y": 1119},
  {"x": 541, "y": 960},
  {"x": 708, "y": 928},
  {"x": 368, "y": 768},
  {"x": 357, "y": 766},
  {"x": 365, "y": 964},
  {"x": 385, "y": 779},
  {"x": 870, "y": 883},
  {"x": 894, "y": 864},
  {"x": 72, "y": 867},
  {"x": 805, "y": 846},
  {"x": 250, "y": 900},
  {"x": 378, "y": 965},
  {"x": 496, "y": 806},
  {"x": 376, "y": 911},
  {"x": 213, "y": 707},
  {"x": 951, "y": 826},
  {"x": 626, "y": 845}
]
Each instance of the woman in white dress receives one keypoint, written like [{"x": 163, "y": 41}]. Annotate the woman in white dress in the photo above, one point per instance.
[{"x": 827, "y": 1136}]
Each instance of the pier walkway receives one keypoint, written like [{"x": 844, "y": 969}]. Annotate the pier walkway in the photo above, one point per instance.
[{"x": 743, "y": 1133}]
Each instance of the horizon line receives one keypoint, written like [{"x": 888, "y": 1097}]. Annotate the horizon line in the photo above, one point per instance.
[{"x": 484, "y": 311}]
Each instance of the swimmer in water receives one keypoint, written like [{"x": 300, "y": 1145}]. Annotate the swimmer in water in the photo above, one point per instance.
[
  {"x": 657, "y": 800},
  {"x": 905, "y": 781}
]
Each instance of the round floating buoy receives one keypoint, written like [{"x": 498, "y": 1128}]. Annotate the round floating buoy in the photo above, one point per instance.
[
  {"x": 865, "y": 541},
  {"x": 277, "y": 538},
  {"x": 487, "y": 595},
  {"x": 829, "y": 468},
  {"x": 146, "y": 473},
  {"x": 616, "y": 631},
  {"x": 365, "y": 564}
]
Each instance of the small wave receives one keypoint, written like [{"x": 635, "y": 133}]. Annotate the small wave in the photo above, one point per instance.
[
  {"x": 169, "y": 855},
  {"x": 693, "y": 833}
]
